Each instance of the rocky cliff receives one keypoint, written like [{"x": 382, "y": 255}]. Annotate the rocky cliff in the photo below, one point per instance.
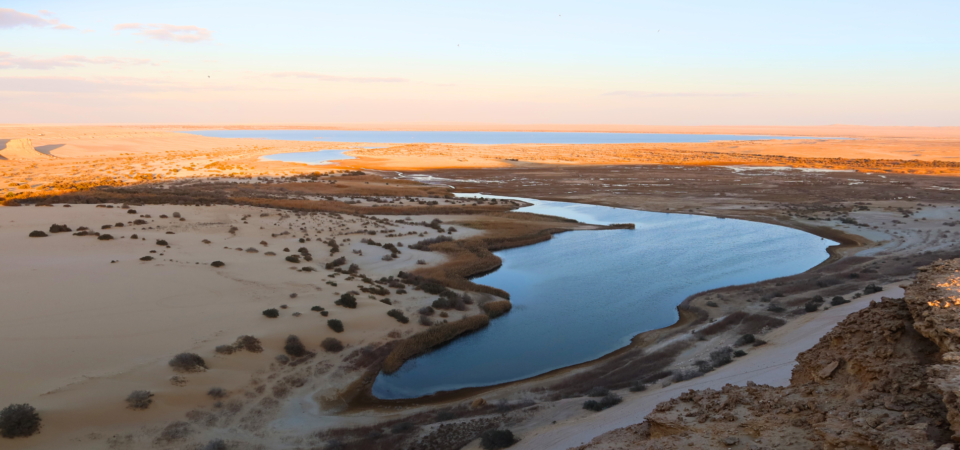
[{"x": 887, "y": 377}]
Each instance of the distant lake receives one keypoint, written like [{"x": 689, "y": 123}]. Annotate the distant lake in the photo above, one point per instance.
[
  {"x": 482, "y": 137},
  {"x": 584, "y": 294},
  {"x": 317, "y": 157}
]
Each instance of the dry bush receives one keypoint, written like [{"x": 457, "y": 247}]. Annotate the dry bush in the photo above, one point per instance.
[
  {"x": 497, "y": 308},
  {"x": 188, "y": 362},
  {"x": 397, "y": 314},
  {"x": 37, "y": 233},
  {"x": 272, "y": 313},
  {"x": 332, "y": 345},
  {"x": 248, "y": 343},
  {"x": 19, "y": 420},
  {"x": 335, "y": 325},
  {"x": 173, "y": 432},
  {"x": 139, "y": 400},
  {"x": 59, "y": 228},
  {"x": 217, "y": 264},
  {"x": 423, "y": 341},
  {"x": 294, "y": 347},
  {"x": 105, "y": 237},
  {"x": 225, "y": 349},
  {"x": 347, "y": 301}
]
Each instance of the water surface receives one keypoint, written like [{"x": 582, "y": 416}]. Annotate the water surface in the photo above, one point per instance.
[
  {"x": 584, "y": 294},
  {"x": 482, "y": 137},
  {"x": 317, "y": 157}
]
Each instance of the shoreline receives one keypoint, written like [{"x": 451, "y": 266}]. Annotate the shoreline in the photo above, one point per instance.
[{"x": 365, "y": 400}]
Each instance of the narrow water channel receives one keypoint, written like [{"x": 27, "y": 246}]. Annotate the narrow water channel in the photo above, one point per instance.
[{"x": 584, "y": 294}]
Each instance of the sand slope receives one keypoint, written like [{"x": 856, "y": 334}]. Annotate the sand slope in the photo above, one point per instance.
[{"x": 19, "y": 149}]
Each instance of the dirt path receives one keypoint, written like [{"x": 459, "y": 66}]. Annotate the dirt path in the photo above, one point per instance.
[{"x": 771, "y": 364}]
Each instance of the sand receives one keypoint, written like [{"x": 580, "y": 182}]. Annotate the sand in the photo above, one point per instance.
[{"x": 80, "y": 332}]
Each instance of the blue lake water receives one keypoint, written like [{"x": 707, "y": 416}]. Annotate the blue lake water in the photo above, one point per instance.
[
  {"x": 317, "y": 157},
  {"x": 480, "y": 137},
  {"x": 584, "y": 294}
]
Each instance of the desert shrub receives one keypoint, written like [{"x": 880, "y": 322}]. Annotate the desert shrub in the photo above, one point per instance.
[
  {"x": 324, "y": 313},
  {"x": 134, "y": 236},
  {"x": 721, "y": 357},
  {"x": 105, "y": 237},
  {"x": 638, "y": 386},
  {"x": 294, "y": 347},
  {"x": 225, "y": 349},
  {"x": 162, "y": 242},
  {"x": 444, "y": 314},
  {"x": 316, "y": 308},
  {"x": 332, "y": 345},
  {"x": 248, "y": 343},
  {"x": 139, "y": 222},
  {"x": 703, "y": 366},
  {"x": 217, "y": 264},
  {"x": 146, "y": 258},
  {"x": 174, "y": 432},
  {"x": 739, "y": 353},
  {"x": 497, "y": 308},
  {"x": 336, "y": 263},
  {"x": 496, "y": 439},
  {"x": 776, "y": 308},
  {"x": 607, "y": 401},
  {"x": 712, "y": 304},
  {"x": 397, "y": 314},
  {"x": 282, "y": 359},
  {"x": 442, "y": 303},
  {"x": 759, "y": 342},
  {"x": 386, "y": 301},
  {"x": 217, "y": 393},
  {"x": 811, "y": 307},
  {"x": 598, "y": 391},
  {"x": 871, "y": 288},
  {"x": 426, "y": 311},
  {"x": 402, "y": 427},
  {"x": 744, "y": 340},
  {"x": 188, "y": 362},
  {"x": 272, "y": 313},
  {"x": 335, "y": 325},
  {"x": 19, "y": 420},
  {"x": 838, "y": 300},
  {"x": 684, "y": 375},
  {"x": 37, "y": 233},
  {"x": 215, "y": 444},
  {"x": 60, "y": 228},
  {"x": 425, "y": 244},
  {"x": 347, "y": 301},
  {"x": 425, "y": 321},
  {"x": 293, "y": 258},
  {"x": 139, "y": 399}
]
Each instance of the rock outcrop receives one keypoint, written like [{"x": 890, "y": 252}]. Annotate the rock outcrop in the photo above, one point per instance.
[
  {"x": 887, "y": 377},
  {"x": 19, "y": 149}
]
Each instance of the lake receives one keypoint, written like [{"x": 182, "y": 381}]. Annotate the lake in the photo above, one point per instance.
[
  {"x": 481, "y": 137},
  {"x": 584, "y": 294}
]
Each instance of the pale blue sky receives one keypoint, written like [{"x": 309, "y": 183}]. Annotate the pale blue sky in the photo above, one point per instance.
[{"x": 740, "y": 62}]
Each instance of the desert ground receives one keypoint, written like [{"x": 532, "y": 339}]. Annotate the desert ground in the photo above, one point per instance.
[{"x": 86, "y": 320}]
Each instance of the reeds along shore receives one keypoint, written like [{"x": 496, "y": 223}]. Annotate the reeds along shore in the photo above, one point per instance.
[{"x": 423, "y": 341}]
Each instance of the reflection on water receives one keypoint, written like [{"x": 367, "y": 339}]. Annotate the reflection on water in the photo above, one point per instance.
[
  {"x": 317, "y": 157},
  {"x": 586, "y": 293}
]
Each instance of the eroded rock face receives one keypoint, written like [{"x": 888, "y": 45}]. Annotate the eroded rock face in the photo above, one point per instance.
[
  {"x": 863, "y": 386},
  {"x": 934, "y": 301},
  {"x": 19, "y": 149}
]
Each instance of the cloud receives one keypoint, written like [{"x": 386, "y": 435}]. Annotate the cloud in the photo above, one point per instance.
[
  {"x": 9, "y": 61},
  {"x": 10, "y": 18},
  {"x": 323, "y": 77},
  {"x": 165, "y": 32},
  {"x": 110, "y": 85},
  {"x": 644, "y": 94}
]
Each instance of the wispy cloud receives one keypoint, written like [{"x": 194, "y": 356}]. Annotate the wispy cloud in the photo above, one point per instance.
[
  {"x": 110, "y": 85},
  {"x": 324, "y": 77},
  {"x": 10, "y": 18},
  {"x": 645, "y": 94},
  {"x": 165, "y": 32},
  {"x": 9, "y": 61}
]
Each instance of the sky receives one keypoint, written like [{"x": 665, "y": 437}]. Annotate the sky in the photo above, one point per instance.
[{"x": 677, "y": 62}]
